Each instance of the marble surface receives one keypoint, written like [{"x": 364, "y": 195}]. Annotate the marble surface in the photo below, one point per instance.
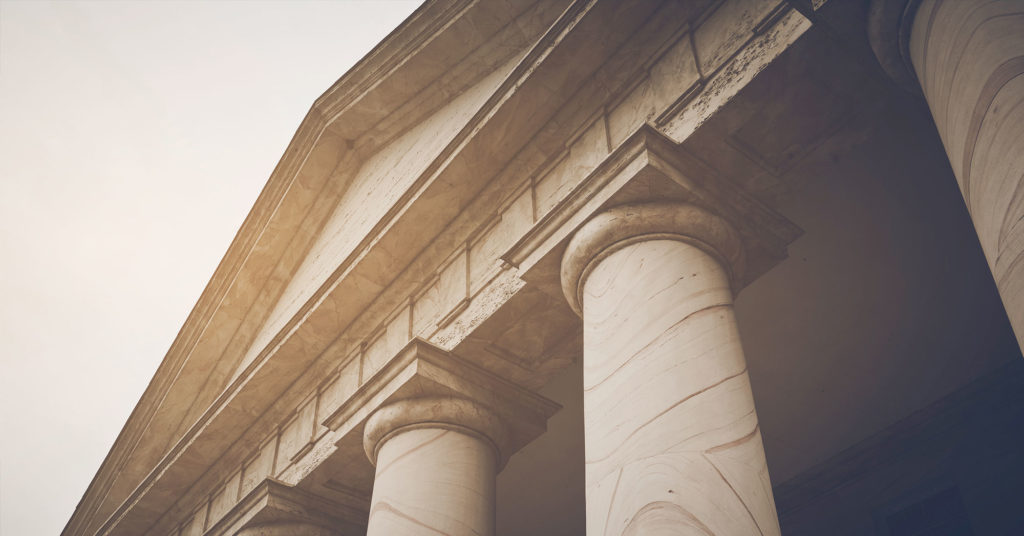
[
  {"x": 619, "y": 226},
  {"x": 436, "y": 463},
  {"x": 458, "y": 414},
  {"x": 672, "y": 438},
  {"x": 969, "y": 60}
]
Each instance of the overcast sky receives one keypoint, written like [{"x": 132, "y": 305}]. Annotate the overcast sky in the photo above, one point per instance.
[{"x": 134, "y": 138}]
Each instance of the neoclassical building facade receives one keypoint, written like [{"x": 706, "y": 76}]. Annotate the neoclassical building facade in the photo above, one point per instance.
[{"x": 499, "y": 281}]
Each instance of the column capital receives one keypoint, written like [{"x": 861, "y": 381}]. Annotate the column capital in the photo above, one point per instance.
[
  {"x": 620, "y": 226},
  {"x": 426, "y": 386},
  {"x": 888, "y": 26},
  {"x": 453, "y": 413},
  {"x": 439, "y": 441},
  {"x": 648, "y": 169}
]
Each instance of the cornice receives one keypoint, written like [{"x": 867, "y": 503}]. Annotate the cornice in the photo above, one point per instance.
[{"x": 224, "y": 276}]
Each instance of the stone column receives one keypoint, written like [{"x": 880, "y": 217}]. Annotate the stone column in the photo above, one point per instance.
[
  {"x": 436, "y": 463},
  {"x": 968, "y": 58},
  {"x": 672, "y": 440}
]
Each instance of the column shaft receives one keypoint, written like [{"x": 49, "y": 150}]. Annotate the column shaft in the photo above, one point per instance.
[
  {"x": 969, "y": 59},
  {"x": 672, "y": 443},
  {"x": 440, "y": 441},
  {"x": 434, "y": 480},
  {"x": 672, "y": 440}
]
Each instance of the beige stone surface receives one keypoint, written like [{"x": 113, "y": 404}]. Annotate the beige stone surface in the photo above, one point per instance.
[
  {"x": 969, "y": 59},
  {"x": 376, "y": 187},
  {"x": 437, "y": 451},
  {"x": 672, "y": 441},
  {"x": 434, "y": 481},
  {"x": 436, "y": 462}
]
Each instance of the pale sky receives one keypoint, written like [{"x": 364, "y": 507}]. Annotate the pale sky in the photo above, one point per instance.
[{"x": 134, "y": 138}]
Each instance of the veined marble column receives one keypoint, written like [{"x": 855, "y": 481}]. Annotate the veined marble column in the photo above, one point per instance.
[
  {"x": 437, "y": 460},
  {"x": 968, "y": 57},
  {"x": 672, "y": 439}
]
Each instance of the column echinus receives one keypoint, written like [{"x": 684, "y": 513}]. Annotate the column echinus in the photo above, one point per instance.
[
  {"x": 967, "y": 58},
  {"x": 672, "y": 438},
  {"x": 437, "y": 452}
]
